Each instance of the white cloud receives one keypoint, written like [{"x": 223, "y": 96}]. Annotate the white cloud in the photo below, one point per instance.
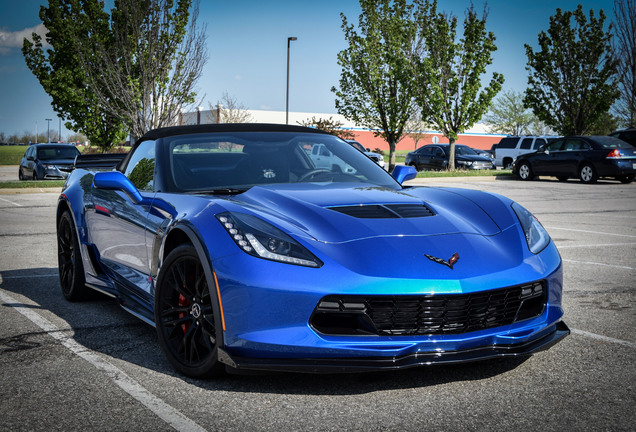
[
  {"x": 9, "y": 40},
  {"x": 238, "y": 77}
]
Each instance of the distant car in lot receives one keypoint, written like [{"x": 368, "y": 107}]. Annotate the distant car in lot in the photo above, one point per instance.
[
  {"x": 627, "y": 135},
  {"x": 47, "y": 161},
  {"x": 375, "y": 157},
  {"x": 585, "y": 157},
  {"x": 323, "y": 158},
  {"x": 509, "y": 148},
  {"x": 435, "y": 157}
]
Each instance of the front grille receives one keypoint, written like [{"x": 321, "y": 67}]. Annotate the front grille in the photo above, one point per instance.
[
  {"x": 385, "y": 211},
  {"x": 428, "y": 314}
]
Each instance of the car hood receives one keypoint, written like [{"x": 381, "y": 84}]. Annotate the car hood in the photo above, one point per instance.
[
  {"x": 58, "y": 161},
  {"x": 338, "y": 213},
  {"x": 473, "y": 158}
]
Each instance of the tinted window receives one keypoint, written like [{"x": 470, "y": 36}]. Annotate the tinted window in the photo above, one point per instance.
[
  {"x": 49, "y": 153},
  {"x": 610, "y": 142},
  {"x": 538, "y": 143},
  {"x": 526, "y": 143},
  {"x": 464, "y": 150},
  {"x": 357, "y": 145},
  {"x": 507, "y": 143},
  {"x": 573, "y": 145},
  {"x": 555, "y": 145},
  {"x": 141, "y": 166},
  {"x": 240, "y": 160}
]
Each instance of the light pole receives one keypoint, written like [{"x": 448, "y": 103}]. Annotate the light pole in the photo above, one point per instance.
[
  {"x": 48, "y": 130},
  {"x": 289, "y": 39}
]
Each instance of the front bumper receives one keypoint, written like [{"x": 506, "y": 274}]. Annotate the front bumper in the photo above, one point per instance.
[{"x": 542, "y": 342}]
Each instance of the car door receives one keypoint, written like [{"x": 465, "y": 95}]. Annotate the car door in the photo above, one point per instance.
[
  {"x": 547, "y": 160},
  {"x": 439, "y": 159},
  {"x": 117, "y": 228},
  {"x": 423, "y": 158},
  {"x": 573, "y": 152},
  {"x": 29, "y": 162}
]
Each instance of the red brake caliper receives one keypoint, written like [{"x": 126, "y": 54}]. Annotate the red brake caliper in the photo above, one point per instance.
[{"x": 183, "y": 302}]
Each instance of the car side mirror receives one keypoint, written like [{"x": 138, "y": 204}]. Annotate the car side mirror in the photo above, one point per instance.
[
  {"x": 30, "y": 158},
  {"x": 115, "y": 180},
  {"x": 402, "y": 173}
]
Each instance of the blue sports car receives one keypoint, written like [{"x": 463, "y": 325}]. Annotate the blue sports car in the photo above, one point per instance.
[{"x": 244, "y": 254}]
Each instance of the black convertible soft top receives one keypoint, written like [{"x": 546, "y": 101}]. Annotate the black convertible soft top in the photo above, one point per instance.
[{"x": 225, "y": 127}]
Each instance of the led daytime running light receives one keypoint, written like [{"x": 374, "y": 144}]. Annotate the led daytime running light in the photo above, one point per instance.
[{"x": 260, "y": 239}]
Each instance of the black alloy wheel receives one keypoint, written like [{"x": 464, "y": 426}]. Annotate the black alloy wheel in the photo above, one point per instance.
[
  {"x": 587, "y": 174},
  {"x": 525, "y": 171},
  {"x": 69, "y": 260},
  {"x": 184, "y": 315}
]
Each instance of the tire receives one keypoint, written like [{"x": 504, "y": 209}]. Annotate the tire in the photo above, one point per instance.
[
  {"x": 525, "y": 171},
  {"x": 20, "y": 175},
  {"x": 185, "y": 317},
  {"x": 627, "y": 179},
  {"x": 507, "y": 163},
  {"x": 35, "y": 175},
  {"x": 69, "y": 260},
  {"x": 562, "y": 178},
  {"x": 587, "y": 174}
]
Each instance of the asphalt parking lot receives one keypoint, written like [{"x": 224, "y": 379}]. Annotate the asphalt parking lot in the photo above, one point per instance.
[{"x": 91, "y": 366}]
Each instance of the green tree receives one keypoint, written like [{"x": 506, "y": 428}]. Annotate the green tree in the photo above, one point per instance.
[
  {"x": 508, "y": 115},
  {"x": 376, "y": 82},
  {"x": 61, "y": 74},
  {"x": 571, "y": 82},
  {"x": 145, "y": 73},
  {"x": 625, "y": 53},
  {"x": 449, "y": 71},
  {"x": 329, "y": 125},
  {"x": 231, "y": 110}
]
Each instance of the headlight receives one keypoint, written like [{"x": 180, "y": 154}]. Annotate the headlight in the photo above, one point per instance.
[
  {"x": 536, "y": 236},
  {"x": 260, "y": 239}
]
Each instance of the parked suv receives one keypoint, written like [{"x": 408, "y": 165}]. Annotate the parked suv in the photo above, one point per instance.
[{"x": 509, "y": 148}]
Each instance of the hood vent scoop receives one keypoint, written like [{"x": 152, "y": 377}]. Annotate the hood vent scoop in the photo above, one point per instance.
[{"x": 385, "y": 211}]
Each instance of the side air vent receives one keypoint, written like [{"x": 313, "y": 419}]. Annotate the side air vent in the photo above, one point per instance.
[{"x": 385, "y": 211}]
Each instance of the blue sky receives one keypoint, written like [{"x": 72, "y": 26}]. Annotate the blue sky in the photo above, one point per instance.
[{"x": 247, "y": 43}]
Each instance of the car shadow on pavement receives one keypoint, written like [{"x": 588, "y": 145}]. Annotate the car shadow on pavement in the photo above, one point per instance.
[{"x": 102, "y": 326}]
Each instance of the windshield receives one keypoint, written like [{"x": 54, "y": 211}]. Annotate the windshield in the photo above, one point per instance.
[
  {"x": 608, "y": 142},
  {"x": 240, "y": 160},
  {"x": 357, "y": 145},
  {"x": 61, "y": 152},
  {"x": 464, "y": 150}
]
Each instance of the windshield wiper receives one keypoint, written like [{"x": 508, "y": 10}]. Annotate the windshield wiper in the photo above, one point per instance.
[{"x": 221, "y": 191}]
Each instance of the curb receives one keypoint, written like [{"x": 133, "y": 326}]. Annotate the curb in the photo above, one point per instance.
[{"x": 16, "y": 191}]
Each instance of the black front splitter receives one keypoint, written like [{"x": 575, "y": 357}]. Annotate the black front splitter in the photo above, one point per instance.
[{"x": 370, "y": 364}]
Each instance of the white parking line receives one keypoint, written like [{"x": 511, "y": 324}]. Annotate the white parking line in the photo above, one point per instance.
[
  {"x": 164, "y": 411},
  {"x": 595, "y": 245},
  {"x": 599, "y": 264},
  {"x": 603, "y": 338},
  {"x": 11, "y": 202},
  {"x": 591, "y": 232}
]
